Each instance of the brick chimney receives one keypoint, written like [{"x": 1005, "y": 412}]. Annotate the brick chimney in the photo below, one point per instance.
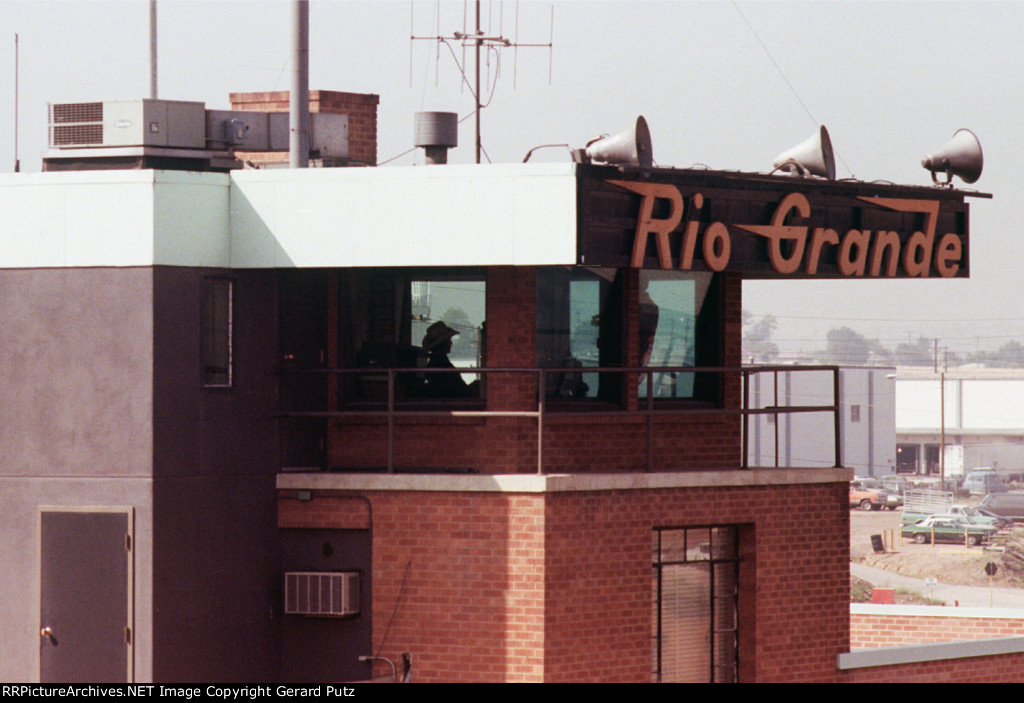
[{"x": 361, "y": 109}]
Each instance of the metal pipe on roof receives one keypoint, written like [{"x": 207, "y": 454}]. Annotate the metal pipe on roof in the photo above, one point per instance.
[
  {"x": 152, "y": 50},
  {"x": 298, "y": 143}
]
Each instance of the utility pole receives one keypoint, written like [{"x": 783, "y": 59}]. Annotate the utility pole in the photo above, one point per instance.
[{"x": 942, "y": 437}]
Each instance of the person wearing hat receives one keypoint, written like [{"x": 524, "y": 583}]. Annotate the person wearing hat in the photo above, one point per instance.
[{"x": 437, "y": 342}]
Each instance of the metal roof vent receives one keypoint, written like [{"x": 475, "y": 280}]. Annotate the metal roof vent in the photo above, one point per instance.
[{"x": 437, "y": 132}]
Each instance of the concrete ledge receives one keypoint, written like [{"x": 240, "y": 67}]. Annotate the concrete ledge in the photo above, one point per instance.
[
  {"x": 936, "y": 611},
  {"x": 890, "y": 656},
  {"x": 557, "y": 483}
]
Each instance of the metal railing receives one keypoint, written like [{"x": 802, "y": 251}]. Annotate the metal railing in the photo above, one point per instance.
[{"x": 648, "y": 406}]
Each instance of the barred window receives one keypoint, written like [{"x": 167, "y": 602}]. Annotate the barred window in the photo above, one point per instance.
[{"x": 696, "y": 593}]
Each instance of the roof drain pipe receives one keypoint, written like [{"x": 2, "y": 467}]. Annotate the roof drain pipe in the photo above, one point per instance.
[{"x": 298, "y": 127}]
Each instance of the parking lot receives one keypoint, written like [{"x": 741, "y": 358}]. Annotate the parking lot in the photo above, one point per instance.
[{"x": 948, "y": 563}]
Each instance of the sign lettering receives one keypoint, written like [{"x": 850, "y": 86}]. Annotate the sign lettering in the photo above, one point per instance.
[{"x": 793, "y": 245}]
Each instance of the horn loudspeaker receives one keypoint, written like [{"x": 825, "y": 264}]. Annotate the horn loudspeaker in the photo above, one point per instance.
[
  {"x": 813, "y": 155},
  {"x": 961, "y": 156},
  {"x": 629, "y": 147}
]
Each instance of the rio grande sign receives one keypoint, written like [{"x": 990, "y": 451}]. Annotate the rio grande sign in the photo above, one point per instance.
[{"x": 772, "y": 227}]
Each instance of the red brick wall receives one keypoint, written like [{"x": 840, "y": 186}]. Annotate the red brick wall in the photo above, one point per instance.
[
  {"x": 891, "y": 630},
  {"x": 572, "y": 444},
  {"x": 557, "y": 587},
  {"x": 326, "y": 512},
  {"x": 361, "y": 109},
  {"x": 793, "y": 591},
  {"x": 458, "y": 579}
]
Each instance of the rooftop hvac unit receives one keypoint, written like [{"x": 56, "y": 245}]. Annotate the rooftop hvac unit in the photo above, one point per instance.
[
  {"x": 321, "y": 594},
  {"x": 269, "y": 131},
  {"x": 114, "y": 123}
]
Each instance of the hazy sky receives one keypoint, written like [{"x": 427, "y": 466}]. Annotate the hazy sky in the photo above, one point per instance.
[{"x": 891, "y": 81}]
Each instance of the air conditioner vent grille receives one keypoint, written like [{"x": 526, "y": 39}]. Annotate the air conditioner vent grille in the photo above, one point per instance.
[
  {"x": 73, "y": 134},
  {"x": 321, "y": 594},
  {"x": 62, "y": 113}
]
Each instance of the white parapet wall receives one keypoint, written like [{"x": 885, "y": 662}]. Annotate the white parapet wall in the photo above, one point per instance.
[{"x": 493, "y": 215}]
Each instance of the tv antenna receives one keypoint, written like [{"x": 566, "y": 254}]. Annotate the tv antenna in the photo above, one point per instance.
[
  {"x": 17, "y": 163},
  {"x": 478, "y": 40}
]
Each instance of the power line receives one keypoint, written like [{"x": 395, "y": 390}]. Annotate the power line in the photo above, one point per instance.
[
  {"x": 782, "y": 73},
  {"x": 832, "y": 318}
]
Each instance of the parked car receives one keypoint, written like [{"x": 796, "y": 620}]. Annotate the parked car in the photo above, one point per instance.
[
  {"x": 977, "y": 517},
  {"x": 947, "y": 529},
  {"x": 1009, "y": 505},
  {"x": 896, "y": 483},
  {"x": 893, "y": 500},
  {"x": 1001, "y": 521},
  {"x": 959, "y": 512},
  {"x": 978, "y": 483},
  {"x": 867, "y": 497}
]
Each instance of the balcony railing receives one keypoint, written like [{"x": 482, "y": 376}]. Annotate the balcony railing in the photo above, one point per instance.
[{"x": 392, "y": 407}]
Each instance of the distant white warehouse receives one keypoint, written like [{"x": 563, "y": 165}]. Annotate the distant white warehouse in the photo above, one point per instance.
[
  {"x": 866, "y": 428},
  {"x": 976, "y": 414}
]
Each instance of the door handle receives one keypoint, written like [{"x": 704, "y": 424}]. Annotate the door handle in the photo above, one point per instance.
[{"x": 47, "y": 632}]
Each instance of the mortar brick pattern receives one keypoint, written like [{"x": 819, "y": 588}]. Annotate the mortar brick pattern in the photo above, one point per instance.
[
  {"x": 557, "y": 587},
  {"x": 868, "y": 631}
]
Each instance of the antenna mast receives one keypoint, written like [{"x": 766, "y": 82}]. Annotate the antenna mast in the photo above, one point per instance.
[
  {"x": 17, "y": 163},
  {"x": 478, "y": 40}
]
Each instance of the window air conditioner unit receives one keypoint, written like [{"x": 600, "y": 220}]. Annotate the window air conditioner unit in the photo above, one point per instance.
[{"x": 321, "y": 594}]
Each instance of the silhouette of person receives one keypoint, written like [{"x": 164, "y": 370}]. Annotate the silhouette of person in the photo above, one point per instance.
[{"x": 437, "y": 342}]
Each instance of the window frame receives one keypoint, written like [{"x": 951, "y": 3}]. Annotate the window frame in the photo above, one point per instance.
[
  {"x": 355, "y": 336},
  {"x": 216, "y": 336},
  {"x": 727, "y": 558},
  {"x": 708, "y": 345},
  {"x": 625, "y": 299},
  {"x": 608, "y": 391}
]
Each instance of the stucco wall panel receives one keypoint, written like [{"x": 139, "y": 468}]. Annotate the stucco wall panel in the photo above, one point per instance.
[
  {"x": 76, "y": 359},
  {"x": 20, "y": 499}
]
